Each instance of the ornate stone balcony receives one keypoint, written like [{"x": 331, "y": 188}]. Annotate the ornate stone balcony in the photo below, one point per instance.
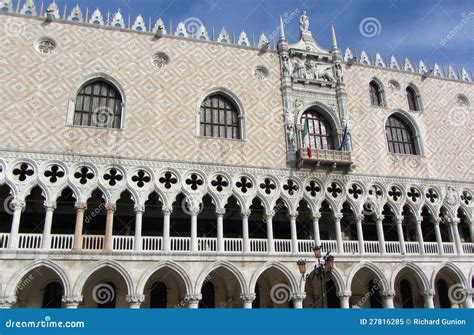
[{"x": 333, "y": 158}]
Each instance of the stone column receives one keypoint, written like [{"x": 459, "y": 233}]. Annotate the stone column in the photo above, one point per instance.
[
  {"x": 80, "y": 210},
  {"x": 439, "y": 239},
  {"x": 193, "y": 300},
  {"x": 166, "y": 228},
  {"x": 109, "y": 227},
  {"x": 48, "y": 222},
  {"x": 139, "y": 210},
  {"x": 471, "y": 230},
  {"x": 248, "y": 299},
  {"x": 298, "y": 298},
  {"x": 269, "y": 219},
  {"x": 428, "y": 298},
  {"x": 360, "y": 233},
  {"x": 469, "y": 292},
  {"x": 401, "y": 237},
  {"x": 7, "y": 302},
  {"x": 387, "y": 297},
  {"x": 135, "y": 300},
  {"x": 337, "y": 220},
  {"x": 419, "y": 236},
  {"x": 380, "y": 234},
  {"x": 18, "y": 206},
  {"x": 72, "y": 302},
  {"x": 194, "y": 239},
  {"x": 317, "y": 235},
  {"x": 245, "y": 230},
  {"x": 344, "y": 297},
  {"x": 457, "y": 238},
  {"x": 294, "y": 233},
  {"x": 220, "y": 229}
]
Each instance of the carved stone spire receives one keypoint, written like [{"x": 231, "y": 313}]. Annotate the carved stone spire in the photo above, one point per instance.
[
  {"x": 334, "y": 40},
  {"x": 282, "y": 29}
]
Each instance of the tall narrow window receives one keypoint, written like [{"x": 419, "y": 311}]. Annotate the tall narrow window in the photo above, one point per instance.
[
  {"x": 98, "y": 104},
  {"x": 321, "y": 135},
  {"x": 376, "y": 94},
  {"x": 412, "y": 97},
  {"x": 399, "y": 136},
  {"x": 219, "y": 117}
]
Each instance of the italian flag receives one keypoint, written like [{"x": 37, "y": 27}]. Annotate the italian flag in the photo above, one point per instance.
[{"x": 306, "y": 141}]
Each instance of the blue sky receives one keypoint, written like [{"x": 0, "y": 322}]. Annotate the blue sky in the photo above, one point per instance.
[{"x": 408, "y": 28}]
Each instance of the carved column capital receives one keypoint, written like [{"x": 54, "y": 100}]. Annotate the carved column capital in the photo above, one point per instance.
[
  {"x": 293, "y": 214},
  {"x": 269, "y": 214},
  {"x": 18, "y": 204},
  {"x": 193, "y": 298},
  {"x": 7, "y": 302},
  {"x": 298, "y": 296},
  {"x": 135, "y": 299},
  {"x": 248, "y": 297},
  {"x": 317, "y": 216},
  {"x": 167, "y": 210},
  {"x": 338, "y": 216},
  {"x": 220, "y": 211},
  {"x": 344, "y": 294},
  {"x": 80, "y": 206},
  {"x": 49, "y": 206},
  {"x": 360, "y": 217},
  {"x": 429, "y": 293},
  {"x": 399, "y": 219},
  {"x": 72, "y": 300},
  {"x": 139, "y": 209},
  {"x": 111, "y": 207},
  {"x": 388, "y": 294},
  {"x": 245, "y": 213}
]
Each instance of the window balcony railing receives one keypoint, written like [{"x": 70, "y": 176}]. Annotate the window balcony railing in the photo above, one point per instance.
[
  {"x": 229, "y": 245},
  {"x": 334, "y": 158}
]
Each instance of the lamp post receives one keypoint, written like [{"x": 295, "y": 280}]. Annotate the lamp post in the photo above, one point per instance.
[{"x": 322, "y": 270}]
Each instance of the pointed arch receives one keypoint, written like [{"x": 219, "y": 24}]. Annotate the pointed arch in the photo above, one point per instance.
[
  {"x": 411, "y": 143},
  {"x": 278, "y": 266},
  {"x": 373, "y": 268},
  {"x": 454, "y": 269},
  {"x": 147, "y": 274},
  {"x": 421, "y": 277},
  {"x": 82, "y": 279},
  {"x": 221, "y": 264},
  {"x": 15, "y": 279}
]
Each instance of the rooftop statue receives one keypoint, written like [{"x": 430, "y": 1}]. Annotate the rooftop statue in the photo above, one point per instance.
[{"x": 304, "y": 22}]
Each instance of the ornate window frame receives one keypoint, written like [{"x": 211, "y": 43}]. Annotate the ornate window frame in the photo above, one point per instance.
[
  {"x": 382, "y": 93},
  {"x": 85, "y": 81},
  {"x": 240, "y": 110},
  {"x": 416, "y": 133},
  {"x": 419, "y": 102}
]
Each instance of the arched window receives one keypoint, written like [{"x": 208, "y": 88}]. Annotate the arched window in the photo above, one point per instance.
[
  {"x": 321, "y": 135},
  {"x": 219, "y": 117},
  {"x": 52, "y": 296},
  {"x": 376, "y": 94},
  {"x": 413, "y": 99},
  {"x": 400, "y": 136},
  {"x": 98, "y": 104}
]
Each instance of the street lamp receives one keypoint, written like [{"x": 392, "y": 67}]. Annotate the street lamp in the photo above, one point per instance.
[{"x": 322, "y": 270}]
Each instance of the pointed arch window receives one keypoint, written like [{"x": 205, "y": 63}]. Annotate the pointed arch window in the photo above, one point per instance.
[
  {"x": 400, "y": 136},
  {"x": 413, "y": 99},
  {"x": 98, "y": 104},
  {"x": 376, "y": 94},
  {"x": 321, "y": 134},
  {"x": 220, "y": 117}
]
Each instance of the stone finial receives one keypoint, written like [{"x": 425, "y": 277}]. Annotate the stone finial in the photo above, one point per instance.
[
  {"x": 407, "y": 66},
  {"x": 452, "y": 73},
  {"x": 422, "y": 68},
  {"x": 379, "y": 60},
  {"x": 437, "y": 71},
  {"x": 28, "y": 8},
  {"x": 117, "y": 20},
  {"x": 202, "y": 33},
  {"x": 348, "y": 55},
  {"x": 223, "y": 36},
  {"x": 6, "y": 6},
  {"x": 394, "y": 63},
  {"x": 243, "y": 39},
  {"x": 76, "y": 15},
  {"x": 159, "y": 23},
  {"x": 263, "y": 41},
  {"x": 53, "y": 9},
  {"x": 334, "y": 39},
  {"x": 139, "y": 24},
  {"x": 282, "y": 29},
  {"x": 181, "y": 30},
  {"x": 96, "y": 18},
  {"x": 465, "y": 75},
  {"x": 364, "y": 58}
]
